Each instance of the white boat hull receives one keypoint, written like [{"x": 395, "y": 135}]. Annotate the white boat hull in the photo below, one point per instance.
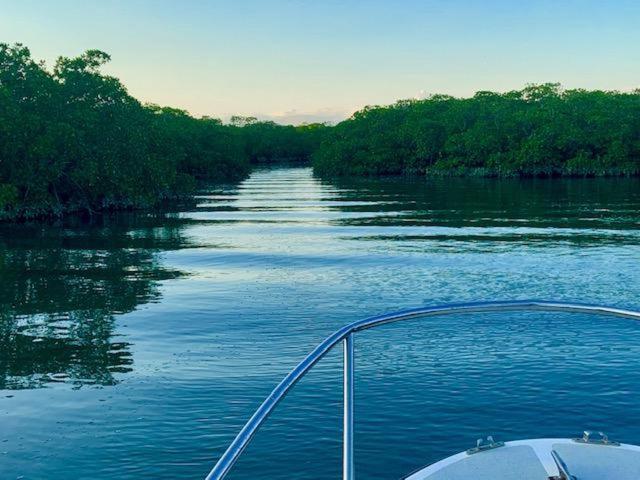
[{"x": 533, "y": 460}]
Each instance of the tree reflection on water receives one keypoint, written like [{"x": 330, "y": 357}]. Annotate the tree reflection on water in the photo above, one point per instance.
[{"x": 62, "y": 285}]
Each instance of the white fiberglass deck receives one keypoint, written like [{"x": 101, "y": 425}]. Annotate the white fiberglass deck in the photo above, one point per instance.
[{"x": 533, "y": 460}]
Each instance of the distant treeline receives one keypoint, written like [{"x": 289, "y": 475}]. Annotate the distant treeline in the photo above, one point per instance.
[
  {"x": 73, "y": 139},
  {"x": 539, "y": 131}
]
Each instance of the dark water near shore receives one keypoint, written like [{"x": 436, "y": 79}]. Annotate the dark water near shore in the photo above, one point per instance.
[{"x": 136, "y": 346}]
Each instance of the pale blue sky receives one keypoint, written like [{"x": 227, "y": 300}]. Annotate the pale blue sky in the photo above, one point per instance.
[{"x": 307, "y": 60}]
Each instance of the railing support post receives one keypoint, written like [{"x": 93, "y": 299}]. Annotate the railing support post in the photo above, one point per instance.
[{"x": 348, "y": 403}]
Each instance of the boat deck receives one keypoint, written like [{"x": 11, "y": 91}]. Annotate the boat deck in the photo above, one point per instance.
[{"x": 534, "y": 460}]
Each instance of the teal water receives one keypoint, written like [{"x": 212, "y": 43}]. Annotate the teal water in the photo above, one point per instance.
[{"x": 136, "y": 345}]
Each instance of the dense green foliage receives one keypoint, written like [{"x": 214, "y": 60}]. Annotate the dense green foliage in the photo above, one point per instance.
[
  {"x": 73, "y": 139},
  {"x": 268, "y": 143},
  {"x": 539, "y": 131}
]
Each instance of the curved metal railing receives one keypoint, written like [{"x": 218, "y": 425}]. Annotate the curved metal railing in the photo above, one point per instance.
[{"x": 346, "y": 336}]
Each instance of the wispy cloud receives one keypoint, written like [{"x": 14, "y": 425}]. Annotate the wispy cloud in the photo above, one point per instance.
[
  {"x": 297, "y": 117},
  {"x": 421, "y": 95}
]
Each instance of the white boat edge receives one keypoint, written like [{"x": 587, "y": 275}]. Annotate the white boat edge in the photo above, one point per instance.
[{"x": 541, "y": 446}]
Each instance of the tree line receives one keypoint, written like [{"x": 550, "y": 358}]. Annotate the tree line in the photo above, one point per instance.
[
  {"x": 540, "y": 131},
  {"x": 73, "y": 139}
]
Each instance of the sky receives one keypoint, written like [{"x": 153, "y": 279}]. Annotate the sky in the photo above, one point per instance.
[{"x": 301, "y": 61}]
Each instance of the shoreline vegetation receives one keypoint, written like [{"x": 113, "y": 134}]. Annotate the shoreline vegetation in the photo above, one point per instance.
[
  {"x": 72, "y": 139},
  {"x": 540, "y": 131}
]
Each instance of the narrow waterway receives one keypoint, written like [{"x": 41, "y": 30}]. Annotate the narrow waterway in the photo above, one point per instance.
[{"x": 136, "y": 346}]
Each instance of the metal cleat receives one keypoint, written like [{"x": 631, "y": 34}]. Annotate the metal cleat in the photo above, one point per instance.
[
  {"x": 603, "y": 440},
  {"x": 481, "y": 446}
]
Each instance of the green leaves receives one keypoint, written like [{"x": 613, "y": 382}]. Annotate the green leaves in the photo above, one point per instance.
[
  {"x": 541, "y": 130},
  {"x": 74, "y": 139},
  {"x": 8, "y": 196}
]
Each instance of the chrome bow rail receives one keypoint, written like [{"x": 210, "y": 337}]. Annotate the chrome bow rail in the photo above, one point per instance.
[{"x": 346, "y": 336}]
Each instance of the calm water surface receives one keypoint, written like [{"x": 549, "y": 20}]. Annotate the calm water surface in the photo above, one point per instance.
[{"x": 136, "y": 346}]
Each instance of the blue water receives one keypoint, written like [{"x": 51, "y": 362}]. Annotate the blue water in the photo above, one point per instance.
[{"x": 137, "y": 345}]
